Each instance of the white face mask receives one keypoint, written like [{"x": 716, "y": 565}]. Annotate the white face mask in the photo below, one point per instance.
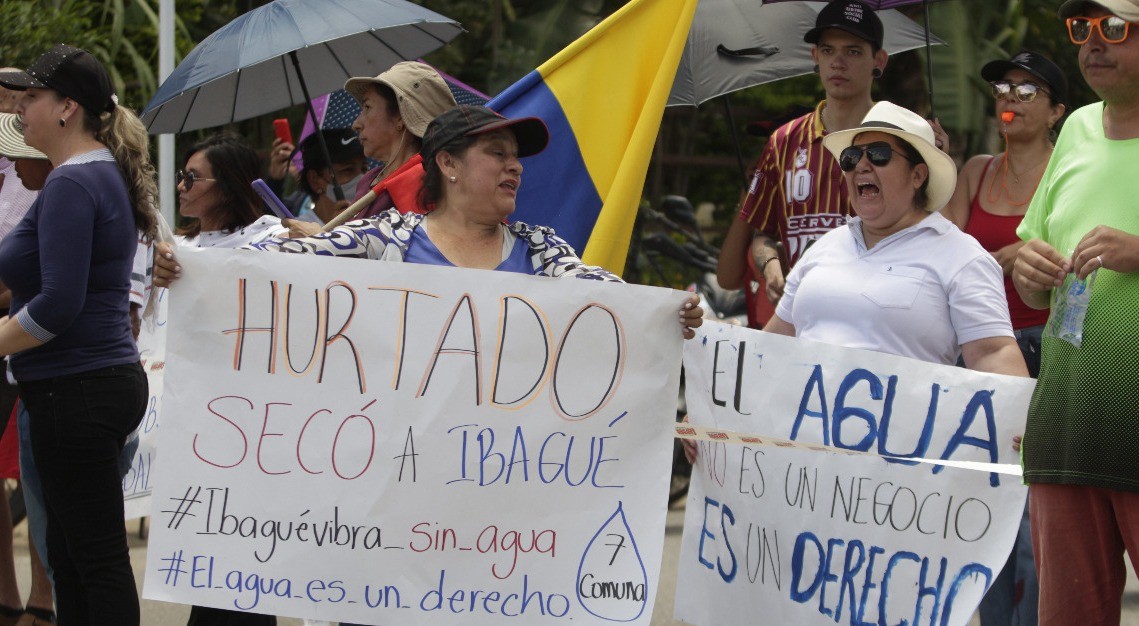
[{"x": 349, "y": 188}]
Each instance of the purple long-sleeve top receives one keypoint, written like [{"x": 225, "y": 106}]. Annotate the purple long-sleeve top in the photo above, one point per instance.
[{"x": 68, "y": 264}]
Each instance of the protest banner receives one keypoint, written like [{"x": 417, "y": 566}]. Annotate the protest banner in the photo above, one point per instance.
[
  {"x": 396, "y": 443},
  {"x": 152, "y": 354},
  {"x": 844, "y": 529}
]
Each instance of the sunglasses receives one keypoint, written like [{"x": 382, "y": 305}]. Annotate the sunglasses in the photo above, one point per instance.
[
  {"x": 878, "y": 152},
  {"x": 1112, "y": 29},
  {"x": 1025, "y": 92},
  {"x": 182, "y": 177}
]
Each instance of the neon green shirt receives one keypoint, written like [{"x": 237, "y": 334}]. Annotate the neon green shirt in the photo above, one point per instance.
[{"x": 1083, "y": 423}]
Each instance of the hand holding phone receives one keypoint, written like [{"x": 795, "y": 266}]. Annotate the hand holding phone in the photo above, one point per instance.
[{"x": 281, "y": 128}]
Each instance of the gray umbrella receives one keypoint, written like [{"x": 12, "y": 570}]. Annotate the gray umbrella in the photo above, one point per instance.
[
  {"x": 736, "y": 44},
  {"x": 273, "y": 56}
]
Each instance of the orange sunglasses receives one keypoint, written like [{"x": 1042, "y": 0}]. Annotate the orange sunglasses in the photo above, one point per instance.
[{"x": 1112, "y": 29}]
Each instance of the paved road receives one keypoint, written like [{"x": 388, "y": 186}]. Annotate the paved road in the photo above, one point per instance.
[{"x": 165, "y": 614}]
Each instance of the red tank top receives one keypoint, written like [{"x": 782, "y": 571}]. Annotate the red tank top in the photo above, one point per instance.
[{"x": 994, "y": 232}]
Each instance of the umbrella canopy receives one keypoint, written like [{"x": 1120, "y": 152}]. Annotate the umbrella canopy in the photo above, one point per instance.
[
  {"x": 249, "y": 66},
  {"x": 736, "y": 44}
]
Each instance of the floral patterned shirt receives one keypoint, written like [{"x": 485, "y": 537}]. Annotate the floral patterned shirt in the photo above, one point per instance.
[{"x": 386, "y": 237}]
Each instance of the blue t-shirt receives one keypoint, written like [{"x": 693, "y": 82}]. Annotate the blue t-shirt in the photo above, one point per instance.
[
  {"x": 68, "y": 264},
  {"x": 422, "y": 250}
]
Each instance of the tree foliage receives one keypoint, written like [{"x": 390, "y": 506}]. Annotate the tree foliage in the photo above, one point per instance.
[{"x": 122, "y": 34}]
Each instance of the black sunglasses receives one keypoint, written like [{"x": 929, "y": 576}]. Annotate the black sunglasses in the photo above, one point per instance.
[
  {"x": 182, "y": 177},
  {"x": 879, "y": 153},
  {"x": 1025, "y": 92}
]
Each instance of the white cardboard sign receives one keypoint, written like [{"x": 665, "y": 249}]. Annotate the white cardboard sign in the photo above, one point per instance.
[
  {"x": 394, "y": 443},
  {"x": 814, "y": 536}
]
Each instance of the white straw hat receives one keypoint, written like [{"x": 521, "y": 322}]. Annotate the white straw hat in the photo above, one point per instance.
[
  {"x": 887, "y": 117},
  {"x": 12, "y": 139}
]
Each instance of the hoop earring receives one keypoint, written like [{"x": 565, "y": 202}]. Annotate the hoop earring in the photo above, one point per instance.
[
  {"x": 453, "y": 179},
  {"x": 877, "y": 73},
  {"x": 62, "y": 122}
]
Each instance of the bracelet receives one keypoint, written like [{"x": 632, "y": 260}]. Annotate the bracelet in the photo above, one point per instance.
[{"x": 764, "y": 265}]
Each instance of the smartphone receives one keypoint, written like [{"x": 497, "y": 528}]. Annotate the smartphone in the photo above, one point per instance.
[
  {"x": 281, "y": 127},
  {"x": 272, "y": 200}
]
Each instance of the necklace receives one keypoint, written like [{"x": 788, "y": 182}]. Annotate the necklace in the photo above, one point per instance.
[{"x": 1003, "y": 190}]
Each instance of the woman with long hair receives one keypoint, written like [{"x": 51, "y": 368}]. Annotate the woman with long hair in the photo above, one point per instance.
[
  {"x": 991, "y": 199},
  {"x": 215, "y": 194},
  {"x": 68, "y": 264}
]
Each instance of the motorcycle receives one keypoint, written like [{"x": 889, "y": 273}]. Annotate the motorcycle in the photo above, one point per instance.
[{"x": 670, "y": 243}]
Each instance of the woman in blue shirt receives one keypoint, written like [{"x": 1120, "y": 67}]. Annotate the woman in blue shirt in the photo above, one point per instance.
[{"x": 68, "y": 264}]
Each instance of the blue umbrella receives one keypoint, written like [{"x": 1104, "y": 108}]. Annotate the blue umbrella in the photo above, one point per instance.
[{"x": 260, "y": 61}]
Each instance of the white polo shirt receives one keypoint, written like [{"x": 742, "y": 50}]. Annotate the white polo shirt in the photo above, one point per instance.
[{"x": 921, "y": 292}]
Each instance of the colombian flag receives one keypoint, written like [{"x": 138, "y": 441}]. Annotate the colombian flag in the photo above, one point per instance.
[{"x": 602, "y": 97}]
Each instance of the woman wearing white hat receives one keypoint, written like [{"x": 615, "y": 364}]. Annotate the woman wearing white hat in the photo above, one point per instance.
[{"x": 900, "y": 278}]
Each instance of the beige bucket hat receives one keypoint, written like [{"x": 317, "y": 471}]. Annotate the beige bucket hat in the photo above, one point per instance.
[{"x": 421, "y": 93}]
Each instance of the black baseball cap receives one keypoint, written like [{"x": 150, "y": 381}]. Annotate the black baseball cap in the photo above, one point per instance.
[
  {"x": 71, "y": 71},
  {"x": 468, "y": 121},
  {"x": 1035, "y": 64},
  {"x": 851, "y": 16},
  {"x": 343, "y": 147}
]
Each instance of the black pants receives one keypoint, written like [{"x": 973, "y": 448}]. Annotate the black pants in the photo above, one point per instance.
[
  {"x": 78, "y": 425},
  {"x": 206, "y": 616}
]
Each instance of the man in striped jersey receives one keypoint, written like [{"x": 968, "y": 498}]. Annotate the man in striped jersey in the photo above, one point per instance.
[{"x": 797, "y": 192}]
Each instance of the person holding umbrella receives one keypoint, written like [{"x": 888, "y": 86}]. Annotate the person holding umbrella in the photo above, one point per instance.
[
  {"x": 797, "y": 192},
  {"x": 68, "y": 264}
]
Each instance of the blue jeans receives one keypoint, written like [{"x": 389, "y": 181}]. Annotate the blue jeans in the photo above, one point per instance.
[{"x": 78, "y": 424}]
